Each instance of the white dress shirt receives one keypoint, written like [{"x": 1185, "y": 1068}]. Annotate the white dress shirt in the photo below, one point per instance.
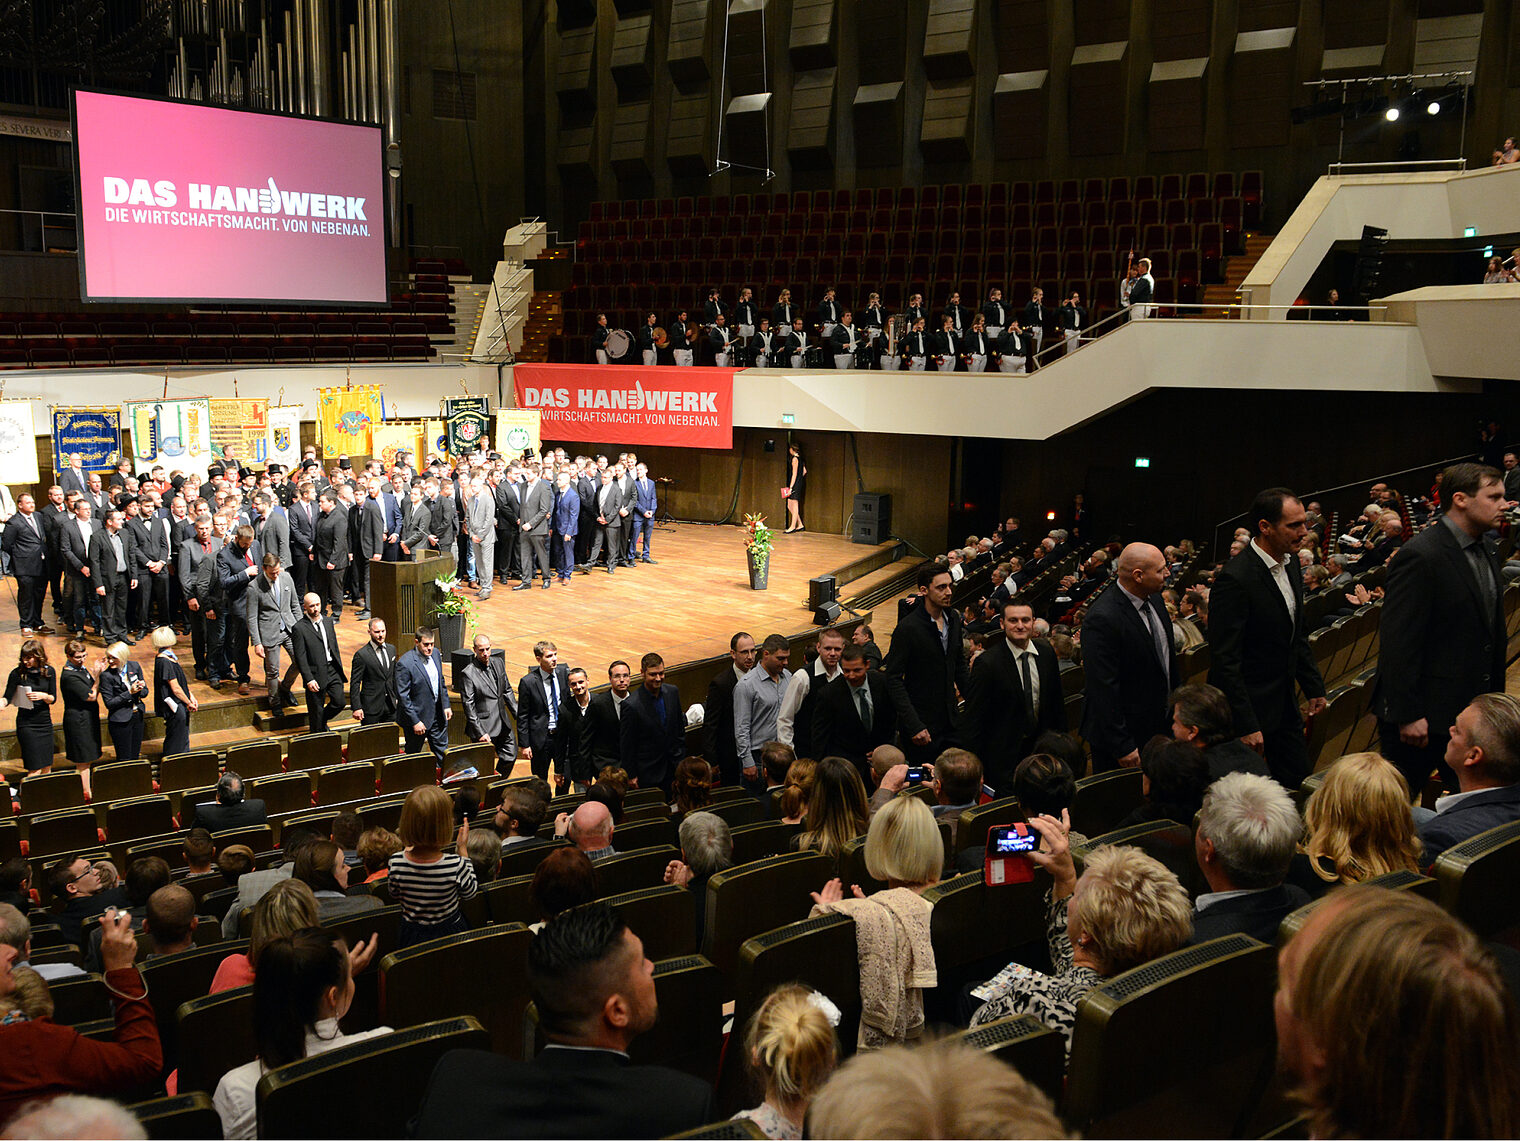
[{"x": 1278, "y": 569}]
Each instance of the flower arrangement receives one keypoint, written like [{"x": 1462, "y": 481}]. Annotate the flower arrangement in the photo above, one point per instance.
[
  {"x": 757, "y": 540},
  {"x": 454, "y": 603}
]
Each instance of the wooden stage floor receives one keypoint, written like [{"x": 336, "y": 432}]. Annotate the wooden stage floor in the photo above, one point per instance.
[{"x": 684, "y": 607}]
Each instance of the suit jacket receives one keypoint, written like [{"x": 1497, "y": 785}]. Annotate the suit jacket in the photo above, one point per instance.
[
  {"x": 576, "y": 733},
  {"x": 215, "y": 817},
  {"x": 444, "y": 522},
  {"x": 150, "y": 544},
  {"x": 837, "y": 728},
  {"x": 331, "y": 544},
  {"x": 559, "y": 1094},
  {"x": 614, "y": 504},
  {"x": 930, "y": 675},
  {"x": 533, "y": 700},
  {"x": 197, "y": 572},
  {"x": 307, "y": 648},
  {"x": 650, "y": 750},
  {"x": 480, "y": 517},
  {"x": 415, "y": 522},
  {"x": 1257, "y": 649},
  {"x": 646, "y": 495},
  {"x": 232, "y": 566},
  {"x": 72, "y": 545},
  {"x": 508, "y": 505},
  {"x": 1142, "y": 289},
  {"x": 1072, "y": 317},
  {"x": 415, "y": 703},
  {"x": 602, "y": 732},
  {"x": 998, "y": 728},
  {"x": 371, "y": 529},
  {"x": 372, "y": 685},
  {"x": 1126, "y": 688},
  {"x": 567, "y": 512},
  {"x": 487, "y": 697},
  {"x": 116, "y": 694},
  {"x": 1475, "y": 813},
  {"x": 103, "y": 556},
  {"x": 537, "y": 507},
  {"x": 26, "y": 543},
  {"x": 1258, "y": 915},
  {"x": 303, "y": 530},
  {"x": 273, "y": 535},
  {"x": 71, "y": 480},
  {"x": 271, "y": 608},
  {"x": 718, "y": 745},
  {"x": 1440, "y": 646},
  {"x": 846, "y": 338}
]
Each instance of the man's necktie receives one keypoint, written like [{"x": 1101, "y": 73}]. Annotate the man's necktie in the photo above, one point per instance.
[
  {"x": 1028, "y": 687},
  {"x": 863, "y": 704}
]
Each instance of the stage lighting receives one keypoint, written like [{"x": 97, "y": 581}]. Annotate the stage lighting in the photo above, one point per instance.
[
  {"x": 1392, "y": 114},
  {"x": 1050, "y": 516},
  {"x": 1433, "y": 107}
]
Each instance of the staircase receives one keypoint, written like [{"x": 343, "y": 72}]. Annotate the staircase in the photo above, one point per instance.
[
  {"x": 1235, "y": 270},
  {"x": 469, "y": 300},
  {"x": 545, "y": 319}
]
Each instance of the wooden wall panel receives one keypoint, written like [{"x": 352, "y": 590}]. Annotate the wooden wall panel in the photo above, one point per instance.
[
  {"x": 1261, "y": 94},
  {"x": 1021, "y": 29},
  {"x": 879, "y": 124},
  {"x": 812, "y": 42},
  {"x": 1100, "y": 21},
  {"x": 686, "y": 140},
  {"x": 574, "y": 83},
  {"x": 810, "y": 131},
  {"x": 950, "y": 39},
  {"x": 632, "y": 142},
  {"x": 946, "y": 132},
  {"x": 1182, "y": 29},
  {"x": 687, "y": 49},
  {"x": 633, "y": 55},
  {"x": 1097, "y": 98},
  {"x": 1020, "y": 112},
  {"x": 881, "y": 40}
]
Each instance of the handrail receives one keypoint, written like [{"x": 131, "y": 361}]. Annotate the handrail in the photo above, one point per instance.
[{"x": 1344, "y": 167}]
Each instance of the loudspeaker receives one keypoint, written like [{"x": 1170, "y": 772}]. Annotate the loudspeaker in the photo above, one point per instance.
[
  {"x": 827, "y": 613},
  {"x": 872, "y": 518},
  {"x": 822, "y": 590}
]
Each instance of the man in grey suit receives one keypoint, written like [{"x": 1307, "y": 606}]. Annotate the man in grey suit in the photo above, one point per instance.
[
  {"x": 73, "y": 477},
  {"x": 371, "y": 541},
  {"x": 201, "y": 588},
  {"x": 443, "y": 526},
  {"x": 610, "y": 510},
  {"x": 272, "y": 530},
  {"x": 480, "y": 523},
  {"x": 487, "y": 699},
  {"x": 272, "y": 614},
  {"x": 533, "y": 524}
]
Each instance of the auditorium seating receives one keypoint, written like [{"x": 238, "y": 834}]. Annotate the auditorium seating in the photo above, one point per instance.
[
  {"x": 1104, "y": 799},
  {"x": 689, "y": 1033},
  {"x": 481, "y": 973},
  {"x": 664, "y": 917},
  {"x": 184, "y": 1117},
  {"x": 745, "y": 901},
  {"x": 173, "y": 980},
  {"x": 1477, "y": 880},
  {"x": 1028, "y": 1045}
]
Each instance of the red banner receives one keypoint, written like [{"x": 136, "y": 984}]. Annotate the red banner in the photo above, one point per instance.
[{"x": 676, "y": 407}]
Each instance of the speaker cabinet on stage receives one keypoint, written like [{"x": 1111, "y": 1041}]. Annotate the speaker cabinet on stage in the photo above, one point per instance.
[
  {"x": 872, "y": 522},
  {"x": 827, "y": 613},
  {"x": 822, "y": 590},
  {"x": 402, "y": 595}
]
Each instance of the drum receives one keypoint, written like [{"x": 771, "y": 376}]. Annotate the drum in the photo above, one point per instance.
[{"x": 619, "y": 344}]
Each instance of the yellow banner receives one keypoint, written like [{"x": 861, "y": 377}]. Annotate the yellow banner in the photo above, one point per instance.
[
  {"x": 347, "y": 418},
  {"x": 517, "y": 430},
  {"x": 397, "y": 434},
  {"x": 244, "y": 424}
]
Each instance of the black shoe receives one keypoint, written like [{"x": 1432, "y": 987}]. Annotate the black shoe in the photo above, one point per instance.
[
  {"x": 129, "y": 640},
  {"x": 200, "y": 675},
  {"x": 216, "y": 684},
  {"x": 649, "y": 560},
  {"x": 523, "y": 586},
  {"x": 361, "y": 614},
  {"x": 546, "y": 584}
]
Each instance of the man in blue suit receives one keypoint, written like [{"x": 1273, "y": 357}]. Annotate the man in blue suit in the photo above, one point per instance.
[
  {"x": 1484, "y": 753},
  {"x": 641, "y": 518},
  {"x": 567, "y": 521},
  {"x": 390, "y": 506},
  {"x": 422, "y": 697}
]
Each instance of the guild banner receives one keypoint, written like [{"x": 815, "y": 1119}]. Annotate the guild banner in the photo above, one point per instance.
[
  {"x": 395, "y": 435},
  {"x": 175, "y": 434},
  {"x": 95, "y": 433},
  {"x": 669, "y": 406},
  {"x": 348, "y": 418},
  {"x": 466, "y": 417},
  {"x": 517, "y": 431},
  {"x": 285, "y": 435},
  {"x": 244, "y": 425},
  {"x": 18, "y": 443}
]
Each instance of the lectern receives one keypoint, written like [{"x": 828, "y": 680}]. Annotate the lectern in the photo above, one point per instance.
[{"x": 402, "y": 595}]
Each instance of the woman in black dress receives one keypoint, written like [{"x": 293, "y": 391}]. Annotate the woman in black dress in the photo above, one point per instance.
[
  {"x": 81, "y": 709},
  {"x": 33, "y": 688},
  {"x": 796, "y": 485},
  {"x": 171, "y": 693}
]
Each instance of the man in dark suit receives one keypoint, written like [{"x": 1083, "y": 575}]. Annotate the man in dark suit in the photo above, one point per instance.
[
  {"x": 74, "y": 477},
  {"x": 1129, "y": 661},
  {"x": 1442, "y": 635},
  {"x": 332, "y": 553},
  {"x": 1015, "y": 696},
  {"x": 113, "y": 571},
  {"x": 53, "y": 515},
  {"x": 718, "y": 710},
  {"x": 201, "y": 588},
  {"x": 652, "y": 732},
  {"x": 610, "y": 512},
  {"x": 641, "y": 514},
  {"x": 508, "y": 509},
  {"x": 1483, "y": 754},
  {"x": 602, "y": 728},
  {"x": 534, "y": 519},
  {"x": 422, "y": 697},
  {"x": 230, "y": 810},
  {"x": 74, "y": 543},
  {"x": 371, "y": 542},
  {"x": 927, "y": 658},
  {"x": 371, "y": 680},
  {"x": 1260, "y": 641},
  {"x": 315, "y": 642},
  {"x": 238, "y": 565},
  {"x": 594, "y": 992},
  {"x": 488, "y": 698},
  {"x": 25, "y": 542},
  {"x": 540, "y": 693},
  {"x": 855, "y": 713},
  {"x": 1247, "y": 833},
  {"x": 302, "y": 520},
  {"x": 273, "y": 612},
  {"x": 443, "y": 519}
]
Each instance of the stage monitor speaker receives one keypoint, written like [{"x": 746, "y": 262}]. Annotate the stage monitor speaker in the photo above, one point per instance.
[
  {"x": 826, "y": 614},
  {"x": 872, "y": 520},
  {"x": 822, "y": 590}
]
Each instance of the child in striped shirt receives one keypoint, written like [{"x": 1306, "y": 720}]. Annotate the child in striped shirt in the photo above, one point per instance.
[{"x": 425, "y": 880}]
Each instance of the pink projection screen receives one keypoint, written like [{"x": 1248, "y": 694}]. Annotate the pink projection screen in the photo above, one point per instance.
[{"x": 183, "y": 202}]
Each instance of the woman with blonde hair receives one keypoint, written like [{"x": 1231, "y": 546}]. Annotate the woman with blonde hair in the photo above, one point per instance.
[
  {"x": 288, "y": 906},
  {"x": 691, "y": 786},
  {"x": 792, "y": 1051},
  {"x": 1357, "y": 825},
  {"x": 426, "y": 879},
  {"x": 792, "y": 806},
  {"x": 836, "y": 808}
]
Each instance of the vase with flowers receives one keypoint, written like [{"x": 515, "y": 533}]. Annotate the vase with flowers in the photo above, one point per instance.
[
  {"x": 454, "y": 611},
  {"x": 757, "y": 550}
]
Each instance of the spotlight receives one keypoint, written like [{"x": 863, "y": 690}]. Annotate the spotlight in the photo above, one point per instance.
[
  {"x": 1433, "y": 107},
  {"x": 1050, "y": 516},
  {"x": 1392, "y": 114}
]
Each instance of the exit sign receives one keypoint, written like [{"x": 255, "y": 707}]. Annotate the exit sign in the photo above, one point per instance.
[
  {"x": 788, "y": 417},
  {"x": 1142, "y": 461},
  {"x": 1470, "y": 232}
]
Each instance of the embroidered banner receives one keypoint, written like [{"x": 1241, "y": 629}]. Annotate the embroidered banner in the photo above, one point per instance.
[
  {"x": 517, "y": 431},
  {"x": 393, "y": 435},
  {"x": 244, "y": 425},
  {"x": 174, "y": 433},
  {"x": 285, "y": 434},
  {"x": 95, "y": 433},
  {"x": 676, "y": 407},
  {"x": 466, "y": 418},
  {"x": 347, "y": 420},
  {"x": 18, "y": 443}
]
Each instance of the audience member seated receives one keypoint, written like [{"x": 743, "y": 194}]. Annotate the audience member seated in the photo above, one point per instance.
[
  {"x": 957, "y": 783},
  {"x": 200, "y": 853},
  {"x": 346, "y": 830},
  {"x": 252, "y": 885},
  {"x": 691, "y": 788},
  {"x": 1126, "y": 910},
  {"x": 321, "y": 867},
  {"x": 170, "y": 920},
  {"x": 29, "y": 996},
  {"x": 707, "y": 847},
  {"x": 1201, "y": 717},
  {"x": 836, "y": 808},
  {"x": 1393, "y": 1021},
  {"x": 940, "y": 1090},
  {"x": 16, "y": 883},
  {"x": 145, "y": 875},
  {"x": 776, "y": 759},
  {"x": 77, "y": 881},
  {"x": 594, "y": 992},
  {"x": 589, "y": 828},
  {"x": 798, "y": 790},
  {"x": 519, "y": 817},
  {"x": 16, "y": 930},
  {"x": 376, "y": 847},
  {"x": 1484, "y": 754},
  {"x": 74, "y": 1115},
  {"x": 1173, "y": 777},
  {"x": 427, "y": 879},
  {"x": 792, "y": 1050},
  {"x": 230, "y": 810},
  {"x": 564, "y": 880},
  {"x": 611, "y": 789},
  {"x": 42, "y": 1059},
  {"x": 1247, "y": 833},
  {"x": 484, "y": 850},
  {"x": 234, "y": 861},
  {"x": 1357, "y": 825},
  {"x": 904, "y": 851},
  {"x": 303, "y": 990},
  {"x": 285, "y": 909}
]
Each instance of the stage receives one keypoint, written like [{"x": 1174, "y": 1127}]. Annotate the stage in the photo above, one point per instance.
[{"x": 685, "y": 607}]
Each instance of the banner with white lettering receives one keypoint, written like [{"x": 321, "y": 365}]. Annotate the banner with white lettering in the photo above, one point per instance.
[
  {"x": 173, "y": 434},
  {"x": 670, "y": 406}
]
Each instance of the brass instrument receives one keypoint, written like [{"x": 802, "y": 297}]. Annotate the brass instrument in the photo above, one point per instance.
[{"x": 892, "y": 335}]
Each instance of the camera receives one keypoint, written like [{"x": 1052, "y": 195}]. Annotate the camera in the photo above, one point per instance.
[
  {"x": 917, "y": 774},
  {"x": 1012, "y": 841}
]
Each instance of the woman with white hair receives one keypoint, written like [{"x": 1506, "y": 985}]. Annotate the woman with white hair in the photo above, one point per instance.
[
  {"x": 1126, "y": 909},
  {"x": 707, "y": 847},
  {"x": 172, "y": 699}
]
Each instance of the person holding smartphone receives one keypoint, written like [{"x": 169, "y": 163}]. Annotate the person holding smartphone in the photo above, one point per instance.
[{"x": 33, "y": 688}]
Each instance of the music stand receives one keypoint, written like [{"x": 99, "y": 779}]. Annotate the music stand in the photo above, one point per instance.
[{"x": 664, "y": 520}]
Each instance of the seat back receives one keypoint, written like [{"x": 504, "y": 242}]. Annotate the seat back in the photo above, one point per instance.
[
  {"x": 79, "y": 1000},
  {"x": 642, "y": 796},
  {"x": 853, "y": 871},
  {"x": 402, "y": 774},
  {"x": 121, "y": 780},
  {"x": 664, "y": 917},
  {"x": 1165, "y": 840},
  {"x": 254, "y": 759},
  {"x": 1215, "y": 1003},
  {"x": 645, "y": 834},
  {"x": 188, "y": 770},
  {"x": 757, "y": 841},
  {"x": 174, "y": 980},
  {"x": 510, "y": 900},
  {"x": 368, "y": 742},
  {"x": 1477, "y": 879},
  {"x": 477, "y": 755},
  {"x": 339, "y": 783},
  {"x": 633, "y": 870},
  {"x": 1026, "y": 1044},
  {"x": 185, "y": 1117},
  {"x": 47, "y": 792},
  {"x": 65, "y": 830},
  {"x": 315, "y": 1096},
  {"x": 215, "y": 1035},
  {"x": 689, "y": 1034},
  {"x": 745, "y": 810},
  {"x": 1423, "y": 886},
  {"x": 259, "y": 837},
  {"x": 313, "y": 751},
  {"x": 482, "y": 974},
  {"x": 381, "y": 923},
  {"x": 746, "y": 901},
  {"x": 971, "y": 828},
  {"x": 140, "y": 816},
  {"x": 1104, "y": 799},
  {"x": 523, "y": 859},
  {"x": 283, "y": 792}
]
